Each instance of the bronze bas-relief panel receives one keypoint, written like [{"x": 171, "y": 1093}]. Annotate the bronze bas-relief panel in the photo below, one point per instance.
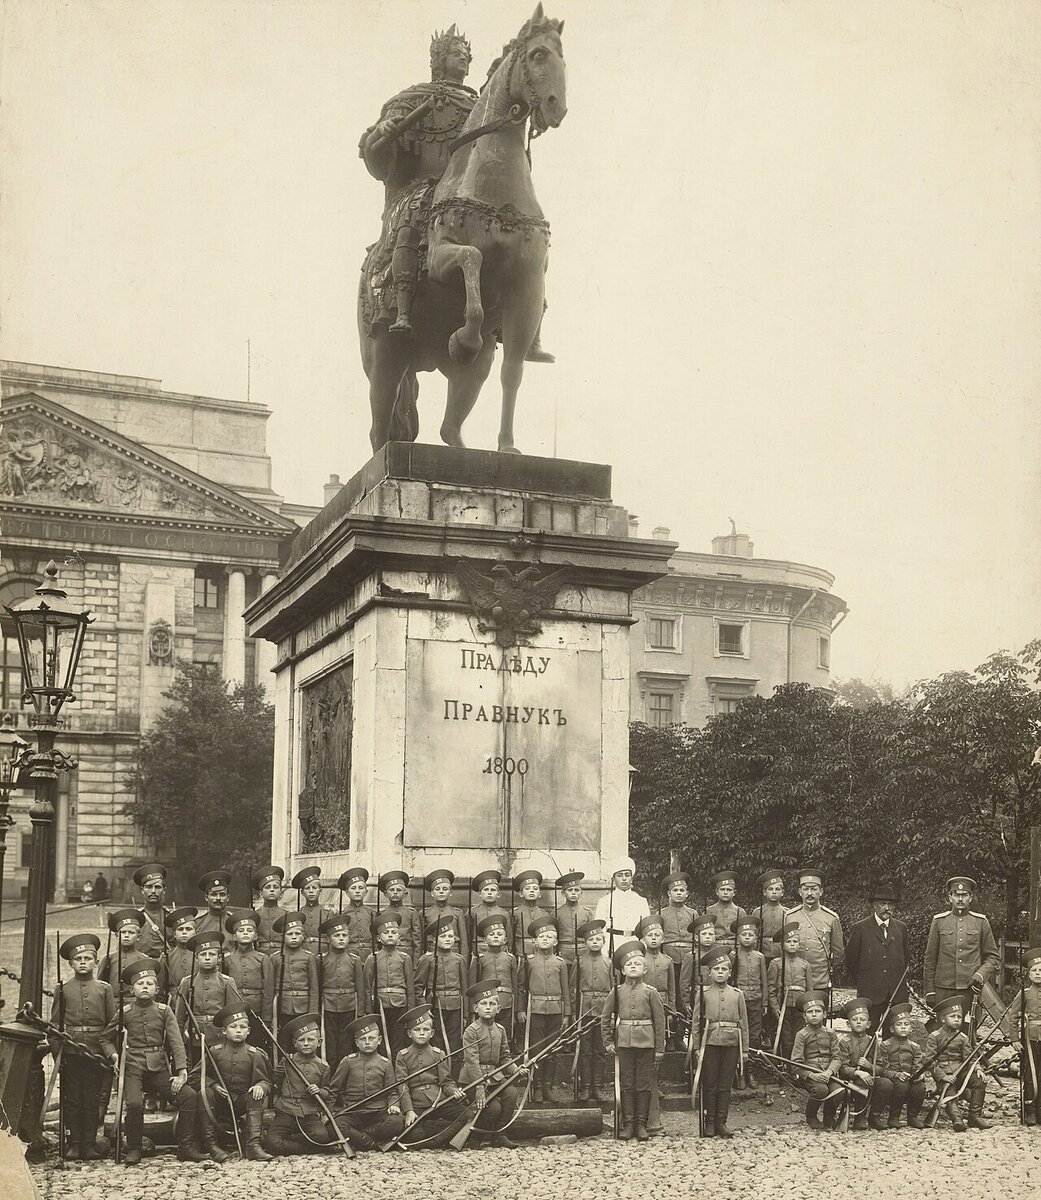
[{"x": 326, "y": 727}]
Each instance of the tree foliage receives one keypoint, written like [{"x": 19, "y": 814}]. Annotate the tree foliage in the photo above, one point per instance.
[
  {"x": 202, "y": 774},
  {"x": 912, "y": 789}
]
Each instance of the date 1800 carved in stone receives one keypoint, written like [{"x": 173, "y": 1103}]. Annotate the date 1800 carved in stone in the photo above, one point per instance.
[{"x": 461, "y": 260}]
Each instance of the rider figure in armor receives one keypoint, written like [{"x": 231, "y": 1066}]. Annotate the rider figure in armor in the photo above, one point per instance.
[{"x": 408, "y": 150}]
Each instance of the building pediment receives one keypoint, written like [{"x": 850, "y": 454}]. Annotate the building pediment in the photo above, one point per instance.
[{"x": 53, "y": 460}]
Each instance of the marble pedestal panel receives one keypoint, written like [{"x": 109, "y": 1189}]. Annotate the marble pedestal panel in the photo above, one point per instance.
[{"x": 417, "y": 725}]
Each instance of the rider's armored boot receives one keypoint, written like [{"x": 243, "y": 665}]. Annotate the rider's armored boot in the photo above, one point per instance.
[{"x": 404, "y": 269}]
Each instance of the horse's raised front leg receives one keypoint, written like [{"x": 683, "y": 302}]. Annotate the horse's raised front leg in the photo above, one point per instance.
[
  {"x": 465, "y": 344},
  {"x": 520, "y": 322},
  {"x": 464, "y": 386}
]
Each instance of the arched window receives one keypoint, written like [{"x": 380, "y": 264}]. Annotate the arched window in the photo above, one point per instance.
[{"x": 12, "y": 590}]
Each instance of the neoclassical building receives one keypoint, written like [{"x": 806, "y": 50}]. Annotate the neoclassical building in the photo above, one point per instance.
[
  {"x": 724, "y": 626},
  {"x": 159, "y": 511}
]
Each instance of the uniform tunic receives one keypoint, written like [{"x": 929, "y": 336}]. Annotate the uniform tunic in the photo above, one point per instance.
[
  {"x": 112, "y": 965},
  {"x": 485, "y": 1049},
  {"x": 178, "y": 964},
  {"x": 357, "y": 1077},
  {"x": 797, "y": 979},
  {"x": 252, "y": 974},
  {"x": 723, "y": 916},
  {"x": 820, "y": 941},
  {"x": 946, "y": 1053},
  {"x": 852, "y": 1048},
  {"x": 594, "y": 982},
  {"x": 295, "y": 983},
  {"x": 772, "y": 917},
  {"x": 388, "y": 977},
  {"x": 267, "y": 940},
  {"x": 544, "y": 978},
  {"x": 571, "y": 917},
  {"x": 675, "y": 918},
  {"x": 292, "y": 1096},
  {"x": 522, "y": 944},
  {"x": 154, "y": 936},
  {"x": 424, "y": 1089},
  {"x": 314, "y": 915},
  {"x": 501, "y": 965},
  {"x": 725, "y": 1015},
  {"x": 818, "y": 1049},
  {"x": 959, "y": 946},
  {"x": 360, "y": 919},
  {"x": 241, "y": 1068},
  {"x": 450, "y": 983},
  {"x": 410, "y": 930},
  {"x": 435, "y": 912},
  {"x": 687, "y": 981},
  {"x": 660, "y": 974},
  {"x": 1024, "y": 1017},
  {"x": 343, "y": 982},
  {"x": 897, "y": 1055},
  {"x": 208, "y": 921},
  {"x": 634, "y": 1017},
  {"x": 83, "y": 1008},
  {"x": 749, "y": 976},
  {"x": 207, "y": 992},
  {"x": 480, "y": 912},
  {"x": 151, "y": 1034}
]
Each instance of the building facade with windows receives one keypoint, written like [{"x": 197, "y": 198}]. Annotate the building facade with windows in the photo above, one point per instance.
[
  {"x": 158, "y": 509},
  {"x": 724, "y": 626}
]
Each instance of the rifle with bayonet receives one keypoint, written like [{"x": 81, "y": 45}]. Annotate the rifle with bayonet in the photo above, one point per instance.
[{"x": 205, "y": 1056}]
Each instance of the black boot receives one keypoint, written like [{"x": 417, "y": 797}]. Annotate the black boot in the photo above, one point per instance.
[
  {"x": 976, "y": 1118},
  {"x": 625, "y": 1132},
  {"x": 207, "y": 1137},
  {"x": 642, "y": 1106},
  {"x": 722, "y": 1112},
  {"x": 133, "y": 1130},
  {"x": 895, "y": 1109},
  {"x": 813, "y": 1107},
  {"x": 253, "y": 1150}
]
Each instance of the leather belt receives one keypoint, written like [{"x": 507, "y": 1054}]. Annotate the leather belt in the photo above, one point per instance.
[
  {"x": 83, "y": 1028},
  {"x": 338, "y": 991},
  {"x": 633, "y": 1021},
  {"x": 723, "y": 1025}
]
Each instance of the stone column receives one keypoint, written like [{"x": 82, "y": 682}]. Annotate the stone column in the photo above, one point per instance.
[
  {"x": 265, "y": 651},
  {"x": 234, "y": 650}
]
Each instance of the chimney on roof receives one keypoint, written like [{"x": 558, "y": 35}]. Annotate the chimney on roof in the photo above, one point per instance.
[
  {"x": 634, "y": 525},
  {"x": 660, "y": 533},
  {"x": 733, "y": 544},
  {"x": 332, "y": 488}
]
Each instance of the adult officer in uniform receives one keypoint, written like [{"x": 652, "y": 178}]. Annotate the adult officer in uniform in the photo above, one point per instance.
[
  {"x": 961, "y": 954},
  {"x": 876, "y": 956},
  {"x": 820, "y": 930}
]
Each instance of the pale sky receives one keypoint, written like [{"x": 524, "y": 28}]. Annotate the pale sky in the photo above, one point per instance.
[{"x": 794, "y": 276}]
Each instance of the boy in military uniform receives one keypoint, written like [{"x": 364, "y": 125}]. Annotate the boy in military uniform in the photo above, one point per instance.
[
  {"x": 676, "y": 917},
  {"x": 528, "y": 886},
  {"x": 126, "y": 924},
  {"x": 355, "y": 882},
  {"x": 817, "y": 1048},
  {"x": 249, "y": 969},
  {"x": 658, "y": 973},
  {"x": 487, "y": 885},
  {"x": 155, "y": 1062},
  {"x": 947, "y": 1049},
  {"x": 82, "y": 1007},
  {"x": 500, "y": 964},
  {"x": 216, "y": 889},
  {"x": 1022, "y": 1025},
  {"x": 486, "y": 1057},
  {"x": 771, "y": 913},
  {"x": 430, "y": 1083},
  {"x": 341, "y": 979},
  {"x": 723, "y": 911},
  {"x": 749, "y": 975},
  {"x": 389, "y": 981},
  {"x": 439, "y": 884},
  {"x": 593, "y": 987},
  {"x": 545, "y": 1001},
  {"x": 632, "y": 1026},
  {"x": 441, "y": 979},
  {"x": 820, "y": 931},
  {"x": 788, "y": 979},
  {"x": 571, "y": 915},
  {"x": 295, "y": 972},
  {"x": 858, "y": 1063},
  {"x": 300, "y": 1080},
  {"x": 724, "y": 1019},
  {"x": 177, "y": 961},
  {"x": 308, "y": 883},
  {"x": 371, "y": 1118},
  {"x": 206, "y": 992},
  {"x": 394, "y": 885},
  {"x": 151, "y": 879},
  {"x": 960, "y": 952},
  {"x": 243, "y": 1086},
  {"x": 268, "y": 883},
  {"x": 898, "y": 1061},
  {"x": 702, "y": 933}
]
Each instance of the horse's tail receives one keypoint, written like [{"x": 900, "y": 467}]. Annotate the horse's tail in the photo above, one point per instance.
[{"x": 404, "y": 421}]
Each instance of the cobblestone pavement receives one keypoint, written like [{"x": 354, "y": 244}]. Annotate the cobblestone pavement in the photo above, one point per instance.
[{"x": 789, "y": 1162}]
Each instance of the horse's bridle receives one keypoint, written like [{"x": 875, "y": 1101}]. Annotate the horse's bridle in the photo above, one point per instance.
[{"x": 518, "y": 112}]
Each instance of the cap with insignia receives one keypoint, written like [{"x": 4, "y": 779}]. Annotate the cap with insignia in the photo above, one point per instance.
[
  {"x": 523, "y": 877},
  {"x": 77, "y": 943},
  {"x": 143, "y": 966},
  {"x": 700, "y": 923},
  {"x": 363, "y": 1024},
  {"x": 723, "y": 877},
  {"x": 675, "y": 877},
  {"x": 857, "y": 1004},
  {"x": 179, "y": 917},
  {"x": 265, "y": 875},
  {"x": 125, "y": 917},
  {"x": 812, "y": 1000},
  {"x": 304, "y": 876},
  {"x": 965, "y": 880},
  {"x": 716, "y": 955},
  {"x": 483, "y": 877},
  {"x": 483, "y": 987},
  {"x": 586, "y": 930},
  {"x": 626, "y": 951},
  {"x": 787, "y": 929},
  {"x": 240, "y": 916},
  {"x": 231, "y": 1012},
  {"x": 334, "y": 924},
  {"x": 899, "y": 1010},
  {"x": 438, "y": 926},
  {"x": 389, "y": 877},
  {"x": 148, "y": 873},
  {"x": 389, "y": 916},
  {"x": 570, "y": 879},
  {"x": 942, "y": 1008},
  {"x": 768, "y": 877},
  {"x": 352, "y": 875},
  {"x": 212, "y": 879},
  {"x": 883, "y": 891},
  {"x": 810, "y": 875},
  {"x": 205, "y": 941},
  {"x": 1032, "y": 957},
  {"x": 486, "y": 924},
  {"x": 295, "y": 1026},
  {"x": 417, "y": 1015},
  {"x": 438, "y": 873},
  {"x": 651, "y": 921},
  {"x": 287, "y": 920},
  {"x": 539, "y": 924},
  {"x": 745, "y": 922}
]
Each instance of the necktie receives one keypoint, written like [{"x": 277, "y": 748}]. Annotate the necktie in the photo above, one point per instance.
[{"x": 885, "y": 931}]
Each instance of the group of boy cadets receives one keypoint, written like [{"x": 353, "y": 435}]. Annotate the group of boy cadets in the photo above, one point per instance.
[{"x": 219, "y": 1011}]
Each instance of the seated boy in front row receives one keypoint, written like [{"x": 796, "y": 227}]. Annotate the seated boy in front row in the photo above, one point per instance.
[
  {"x": 364, "y": 1083},
  {"x": 858, "y": 1064},
  {"x": 816, "y": 1049},
  {"x": 947, "y": 1050},
  {"x": 899, "y": 1060},
  {"x": 153, "y": 1045},
  {"x": 422, "y": 1071},
  {"x": 486, "y": 1058},
  {"x": 300, "y": 1079}
]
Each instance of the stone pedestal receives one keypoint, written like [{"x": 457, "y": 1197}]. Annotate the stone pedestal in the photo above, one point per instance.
[{"x": 452, "y": 667}]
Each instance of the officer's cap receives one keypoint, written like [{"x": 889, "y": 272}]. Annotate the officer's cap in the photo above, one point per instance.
[
  {"x": 212, "y": 879},
  {"x": 352, "y": 875},
  {"x": 77, "y": 943},
  {"x": 495, "y": 921},
  {"x": 124, "y": 917},
  {"x": 483, "y": 877},
  {"x": 240, "y": 916},
  {"x": 144, "y": 966},
  {"x": 626, "y": 951},
  {"x": 149, "y": 872},
  {"x": 570, "y": 878},
  {"x": 179, "y": 917},
  {"x": 438, "y": 873},
  {"x": 521, "y": 879},
  {"x": 304, "y": 876},
  {"x": 389, "y": 877},
  {"x": 536, "y": 927},
  {"x": 295, "y": 1026},
  {"x": 231, "y": 1012},
  {"x": 266, "y": 874}
]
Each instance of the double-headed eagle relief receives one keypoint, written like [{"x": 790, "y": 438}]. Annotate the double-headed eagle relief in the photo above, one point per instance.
[
  {"x": 507, "y": 604},
  {"x": 461, "y": 260}
]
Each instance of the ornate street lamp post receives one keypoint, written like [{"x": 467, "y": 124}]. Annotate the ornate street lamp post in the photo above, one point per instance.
[
  {"x": 50, "y": 638},
  {"x": 12, "y": 748}
]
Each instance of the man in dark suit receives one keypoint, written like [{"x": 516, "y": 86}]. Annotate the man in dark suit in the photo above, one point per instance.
[{"x": 876, "y": 955}]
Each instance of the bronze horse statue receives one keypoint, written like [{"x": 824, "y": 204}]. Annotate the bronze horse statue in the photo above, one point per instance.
[{"x": 487, "y": 250}]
